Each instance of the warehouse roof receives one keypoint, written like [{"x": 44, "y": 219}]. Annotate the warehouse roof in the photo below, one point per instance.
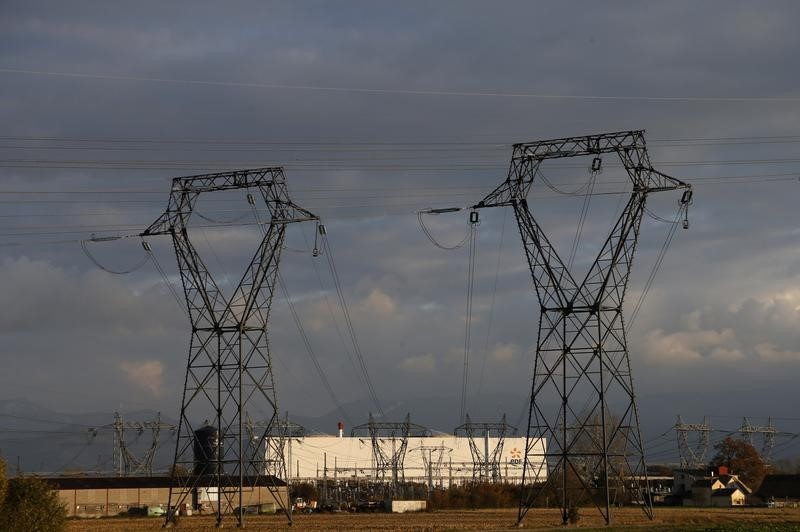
[{"x": 74, "y": 483}]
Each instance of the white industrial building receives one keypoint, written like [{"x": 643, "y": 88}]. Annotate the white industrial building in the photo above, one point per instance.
[{"x": 445, "y": 459}]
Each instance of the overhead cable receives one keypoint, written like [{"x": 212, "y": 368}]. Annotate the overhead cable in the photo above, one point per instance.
[
  {"x": 468, "y": 318},
  {"x": 97, "y": 263},
  {"x": 402, "y": 91},
  {"x": 307, "y": 344},
  {"x": 430, "y": 236},
  {"x": 178, "y": 299},
  {"x": 491, "y": 305},
  {"x": 659, "y": 259},
  {"x": 328, "y": 252}
]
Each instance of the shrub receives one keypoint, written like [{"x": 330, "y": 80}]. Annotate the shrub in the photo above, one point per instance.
[
  {"x": 31, "y": 505},
  {"x": 3, "y": 481},
  {"x": 475, "y": 495}
]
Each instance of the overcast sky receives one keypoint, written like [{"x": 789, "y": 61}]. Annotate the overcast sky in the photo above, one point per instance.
[{"x": 377, "y": 110}]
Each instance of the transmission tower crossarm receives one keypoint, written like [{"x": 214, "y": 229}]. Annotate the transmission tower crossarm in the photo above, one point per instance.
[
  {"x": 629, "y": 145},
  {"x": 269, "y": 181}
]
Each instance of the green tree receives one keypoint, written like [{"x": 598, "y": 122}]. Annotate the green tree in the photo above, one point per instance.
[
  {"x": 741, "y": 459},
  {"x": 30, "y": 505}
]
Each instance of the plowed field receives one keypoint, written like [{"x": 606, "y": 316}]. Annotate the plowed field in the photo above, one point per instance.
[{"x": 738, "y": 519}]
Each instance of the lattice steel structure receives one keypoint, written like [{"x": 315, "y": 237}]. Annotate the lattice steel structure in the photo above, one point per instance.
[
  {"x": 693, "y": 455},
  {"x": 389, "y": 445},
  {"x": 486, "y": 462},
  {"x": 125, "y": 462},
  {"x": 229, "y": 368},
  {"x": 432, "y": 463},
  {"x": 748, "y": 431},
  {"x": 279, "y": 431},
  {"x": 582, "y": 397}
]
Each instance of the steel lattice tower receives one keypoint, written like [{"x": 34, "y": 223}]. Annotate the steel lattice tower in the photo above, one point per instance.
[
  {"x": 582, "y": 398},
  {"x": 389, "y": 445},
  {"x": 229, "y": 367},
  {"x": 432, "y": 466},
  {"x": 486, "y": 463},
  {"x": 125, "y": 462},
  {"x": 768, "y": 432},
  {"x": 693, "y": 456}
]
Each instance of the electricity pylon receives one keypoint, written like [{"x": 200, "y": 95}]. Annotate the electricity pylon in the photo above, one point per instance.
[
  {"x": 693, "y": 456},
  {"x": 747, "y": 431},
  {"x": 486, "y": 462},
  {"x": 432, "y": 466},
  {"x": 229, "y": 367},
  {"x": 389, "y": 445},
  {"x": 125, "y": 462},
  {"x": 582, "y": 397}
]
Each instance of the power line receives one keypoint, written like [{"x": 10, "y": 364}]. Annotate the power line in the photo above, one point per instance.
[
  {"x": 299, "y": 324},
  {"x": 339, "y": 141},
  {"x": 310, "y": 350},
  {"x": 491, "y": 305},
  {"x": 180, "y": 301},
  {"x": 94, "y": 260},
  {"x": 328, "y": 252},
  {"x": 657, "y": 266},
  {"x": 350, "y": 357},
  {"x": 403, "y": 91},
  {"x": 468, "y": 319}
]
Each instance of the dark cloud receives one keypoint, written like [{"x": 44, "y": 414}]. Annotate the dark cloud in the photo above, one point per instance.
[{"x": 720, "y": 303}]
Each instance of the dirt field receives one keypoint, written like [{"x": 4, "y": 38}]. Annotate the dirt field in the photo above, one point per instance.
[{"x": 671, "y": 519}]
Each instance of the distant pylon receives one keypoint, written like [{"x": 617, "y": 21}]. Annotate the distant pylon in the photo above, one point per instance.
[
  {"x": 485, "y": 456},
  {"x": 692, "y": 456},
  {"x": 748, "y": 431},
  {"x": 125, "y": 462},
  {"x": 389, "y": 445}
]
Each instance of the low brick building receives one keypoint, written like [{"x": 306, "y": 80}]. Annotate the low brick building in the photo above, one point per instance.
[{"x": 108, "y": 496}]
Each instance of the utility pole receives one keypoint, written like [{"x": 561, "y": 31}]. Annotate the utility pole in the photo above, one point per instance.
[
  {"x": 229, "y": 365},
  {"x": 581, "y": 352}
]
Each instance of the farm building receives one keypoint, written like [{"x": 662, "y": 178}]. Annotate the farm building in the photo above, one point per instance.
[
  {"x": 109, "y": 496},
  {"x": 780, "y": 490}
]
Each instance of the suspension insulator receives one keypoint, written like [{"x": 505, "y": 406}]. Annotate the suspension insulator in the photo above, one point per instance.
[
  {"x": 321, "y": 229},
  {"x": 250, "y": 199},
  {"x": 473, "y": 217},
  {"x": 146, "y": 245},
  {"x": 687, "y": 196},
  {"x": 597, "y": 163}
]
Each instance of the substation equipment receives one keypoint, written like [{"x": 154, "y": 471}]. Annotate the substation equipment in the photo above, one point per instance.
[
  {"x": 486, "y": 462},
  {"x": 389, "y": 442}
]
